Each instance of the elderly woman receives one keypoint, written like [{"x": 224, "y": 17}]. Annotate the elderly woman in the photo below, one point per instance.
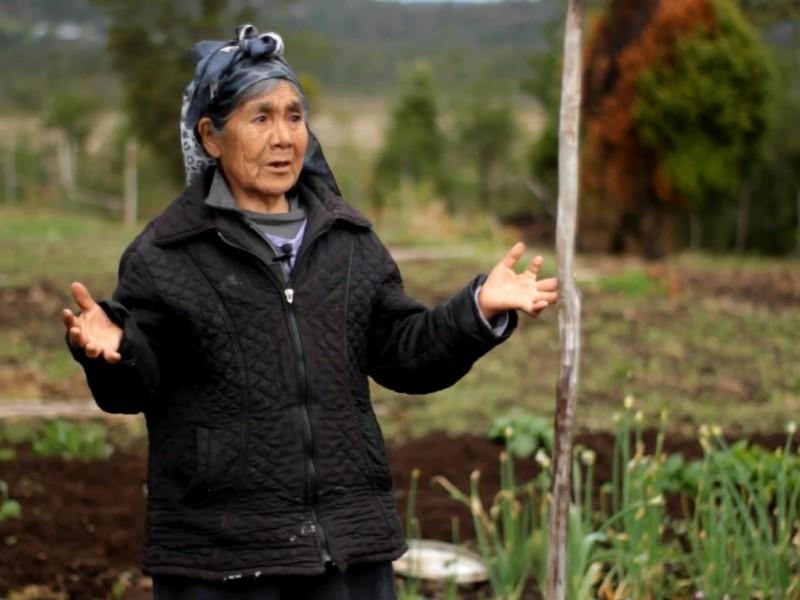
[{"x": 244, "y": 325}]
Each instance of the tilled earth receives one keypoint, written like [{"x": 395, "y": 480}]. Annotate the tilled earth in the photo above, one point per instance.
[{"x": 80, "y": 534}]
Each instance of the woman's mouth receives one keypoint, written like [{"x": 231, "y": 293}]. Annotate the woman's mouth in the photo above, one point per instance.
[{"x": 279, "y": 165}]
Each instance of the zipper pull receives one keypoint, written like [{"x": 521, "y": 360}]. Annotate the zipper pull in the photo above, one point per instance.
[{"x": 289, "y": 295}]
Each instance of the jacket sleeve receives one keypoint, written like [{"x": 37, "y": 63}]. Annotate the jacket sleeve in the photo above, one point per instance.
[
  {"x": 130, "y": 385},
  {"x": 416, "y": 350}
]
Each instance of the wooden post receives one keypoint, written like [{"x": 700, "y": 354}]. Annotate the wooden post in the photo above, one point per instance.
[
  {"x": 131, "y": 195},
  {"x": 66, "y": 167},
  {"x": 10, "y": 170},
  {"x": 569, "y": 300}
]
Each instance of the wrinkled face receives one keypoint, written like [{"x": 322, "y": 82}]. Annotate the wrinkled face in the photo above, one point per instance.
[{"x": 263, "y": 144}]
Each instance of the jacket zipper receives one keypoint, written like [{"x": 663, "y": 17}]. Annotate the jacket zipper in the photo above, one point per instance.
[{"x": 302, "y": 383}]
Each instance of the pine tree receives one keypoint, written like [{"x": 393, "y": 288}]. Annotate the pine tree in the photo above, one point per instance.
[{"x": 414, "y": 146}]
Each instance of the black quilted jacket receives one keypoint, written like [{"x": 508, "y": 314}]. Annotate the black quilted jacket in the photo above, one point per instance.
[{"x": 264, "y": 450}]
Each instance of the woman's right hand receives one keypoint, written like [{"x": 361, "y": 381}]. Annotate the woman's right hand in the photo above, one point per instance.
[{"x": 92, "y": 330}]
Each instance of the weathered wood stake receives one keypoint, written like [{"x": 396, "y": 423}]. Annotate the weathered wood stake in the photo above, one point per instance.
[
  {"x": 569, "y": 299},
  {"x": 130, "y": 202},
  {"x": 10, "y": 170}
]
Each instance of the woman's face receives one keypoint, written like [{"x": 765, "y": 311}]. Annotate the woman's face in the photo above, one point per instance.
[{"x": 263, "y": 144}]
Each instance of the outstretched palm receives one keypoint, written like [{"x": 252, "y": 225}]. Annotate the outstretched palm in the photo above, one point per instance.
[
  {"x": 92, "y": 330},
  {"x": 505, "y": 289}
]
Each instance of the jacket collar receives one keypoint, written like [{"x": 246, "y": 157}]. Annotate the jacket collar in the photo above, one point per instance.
[{"x": 189, "y": 215}]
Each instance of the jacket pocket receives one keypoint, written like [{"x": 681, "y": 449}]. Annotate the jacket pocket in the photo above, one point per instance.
[
  {"x": 217, "y": 467},
  {"x": 375, "y": 451}
]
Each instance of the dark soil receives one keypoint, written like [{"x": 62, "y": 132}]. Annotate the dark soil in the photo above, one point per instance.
[
  {"x": 769, "y": 289},
  {"x": 81, "y": 524},
  {"x": 455, "y": 458},
  {"x": 81, "y": 529}
]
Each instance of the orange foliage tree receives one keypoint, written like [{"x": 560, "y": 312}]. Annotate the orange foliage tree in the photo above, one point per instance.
[{"x": 621, "y": 172}]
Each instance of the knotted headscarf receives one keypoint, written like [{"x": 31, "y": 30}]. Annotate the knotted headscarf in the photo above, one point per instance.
[{"x": 224, "y": 70}]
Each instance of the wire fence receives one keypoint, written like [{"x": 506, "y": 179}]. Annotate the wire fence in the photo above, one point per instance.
[{"x": 47, "y": 171}]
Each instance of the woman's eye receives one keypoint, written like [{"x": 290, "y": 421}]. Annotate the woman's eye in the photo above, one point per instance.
[
  {"x": 260, "y": 119},
  {"x": 296, "y": 118}
]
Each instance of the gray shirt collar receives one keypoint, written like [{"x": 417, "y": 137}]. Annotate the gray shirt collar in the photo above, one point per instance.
[{"x": 219, "y": 196}]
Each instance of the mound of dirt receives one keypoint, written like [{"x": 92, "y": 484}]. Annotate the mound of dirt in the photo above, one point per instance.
[
  {"x": 773, "y": 289},
  {"x": 81, "y": 524}
]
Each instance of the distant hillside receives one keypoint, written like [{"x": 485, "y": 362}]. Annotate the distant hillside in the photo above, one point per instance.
[
  {"x": 343, "y": 43},
  {"x": 358, "y": 21},
  {"x": 368, "y": 41},
  {"x": 431, "y": 25}
]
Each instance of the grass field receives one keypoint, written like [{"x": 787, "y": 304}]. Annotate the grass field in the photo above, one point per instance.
[{"x": 709, "y": 339}]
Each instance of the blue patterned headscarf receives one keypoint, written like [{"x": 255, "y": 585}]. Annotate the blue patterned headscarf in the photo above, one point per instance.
[{"x": 224, "y": 70}]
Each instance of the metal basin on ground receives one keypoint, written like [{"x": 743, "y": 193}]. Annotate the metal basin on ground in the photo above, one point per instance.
[{"x": 439, "y": 561}]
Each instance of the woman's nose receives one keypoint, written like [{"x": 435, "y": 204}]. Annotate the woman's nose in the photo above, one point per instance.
[{"x": 280, "y": 134}]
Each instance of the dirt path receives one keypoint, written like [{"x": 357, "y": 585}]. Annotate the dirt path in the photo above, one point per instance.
[{"x": 52, "y": 409}]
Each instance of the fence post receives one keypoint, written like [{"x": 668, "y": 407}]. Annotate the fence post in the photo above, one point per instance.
[
  {"x": 569, "y": 301},
  {"x": 66, "y": 167},
  {"x": 10, "y": 170},
  {"x": 131, "y": 194}
]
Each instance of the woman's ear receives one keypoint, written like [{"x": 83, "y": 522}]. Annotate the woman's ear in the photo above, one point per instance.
[{"x": 210, "y": 140}]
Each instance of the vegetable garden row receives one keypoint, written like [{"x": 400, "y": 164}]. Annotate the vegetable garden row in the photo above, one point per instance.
[{"x": 656, "y": 513}]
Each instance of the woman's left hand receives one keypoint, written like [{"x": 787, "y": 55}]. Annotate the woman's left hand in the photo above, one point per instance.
[{"x": 505, "y": 289}]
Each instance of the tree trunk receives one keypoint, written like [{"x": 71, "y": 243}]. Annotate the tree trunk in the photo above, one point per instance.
[
  {"x": 695, "y": 231},
  {"x": 487, "y": 196},
  {"x": 569, "y": 300},
  {"x": 797, "y": 238},
  {"x": 66, "y": 168},
  {"x": 743, "y": 218},
  {"x": 651, "y": 230}
]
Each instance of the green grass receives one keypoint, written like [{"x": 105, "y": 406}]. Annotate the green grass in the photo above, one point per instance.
[
  {"x": 41, "y": 252},
  {"x": 37, "y": 245},
  {"x": 632, "y": 282}
]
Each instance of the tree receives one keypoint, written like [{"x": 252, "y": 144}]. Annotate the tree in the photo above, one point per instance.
[
  {"x": 704, "y": 113},
  {"x": 72, "y": 113},
  {"x": 678, "y": 97},
  {"x": 414, "y": 146},
  {"x": 486, "y": 130},
  {"x": 544, "y": 84},
  {"x": 775, "y": 219},
  {"x": 775, "y": 222},
  {"x": 765, "y": 11},
  {"x": 149, "y": 43}
]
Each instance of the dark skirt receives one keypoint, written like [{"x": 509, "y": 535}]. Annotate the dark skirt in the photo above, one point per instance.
[{"x": 363, "y": 581}]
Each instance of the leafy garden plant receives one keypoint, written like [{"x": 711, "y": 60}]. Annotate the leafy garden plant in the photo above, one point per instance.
[
  {"x": 523, "y": 434},
  {"x": 638, "y": 553},
  {"x": 74, "y": 441},
  {"x": 9, "y": 508},
  {"x": 737, "y": 539},
  {"x": 744, "y": 533},
  {"x": 408, "y": 588},
  {"x": 507, "y": 532}
]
